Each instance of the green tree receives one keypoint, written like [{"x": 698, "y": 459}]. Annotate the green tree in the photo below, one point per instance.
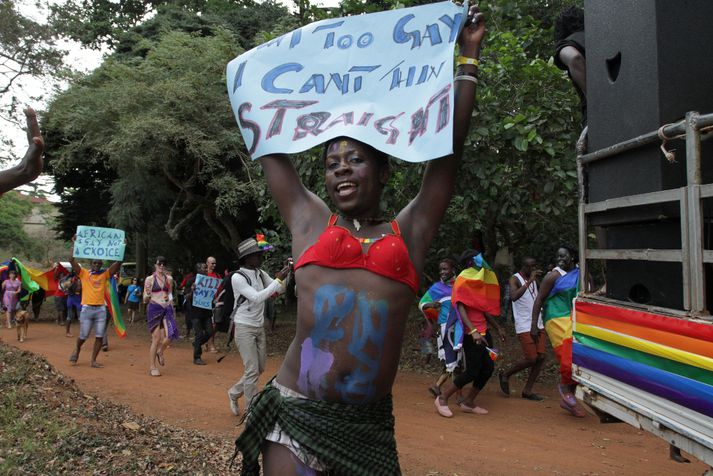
[
  {"x": 14, "y": 241},
  {"x": 162, "y": 126}
]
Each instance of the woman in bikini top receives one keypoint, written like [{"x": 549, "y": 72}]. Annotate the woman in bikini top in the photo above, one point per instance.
[{"x": 357, "y": 273}]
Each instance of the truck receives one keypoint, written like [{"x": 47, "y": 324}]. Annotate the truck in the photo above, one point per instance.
[{"x": 648, "y": 365}]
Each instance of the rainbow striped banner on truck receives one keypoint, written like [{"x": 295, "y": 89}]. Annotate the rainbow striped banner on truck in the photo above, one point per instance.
[{"x": 667, "y": 357}]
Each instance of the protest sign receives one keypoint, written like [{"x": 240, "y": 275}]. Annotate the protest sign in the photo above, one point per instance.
[
  {"x": 385, "y": 79},
  {"x": 94, "y": 242},
  {"x": 205, "y": 291}
]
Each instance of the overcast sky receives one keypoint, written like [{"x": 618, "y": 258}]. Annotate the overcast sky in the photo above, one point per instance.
[{"x": 38, "y": 92}]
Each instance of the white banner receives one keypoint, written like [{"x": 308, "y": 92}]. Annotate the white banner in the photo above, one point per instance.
[{"x": 384, "y": 78}]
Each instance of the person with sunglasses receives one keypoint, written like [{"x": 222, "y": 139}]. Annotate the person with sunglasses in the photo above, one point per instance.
[{"x": 158, "y": 294}]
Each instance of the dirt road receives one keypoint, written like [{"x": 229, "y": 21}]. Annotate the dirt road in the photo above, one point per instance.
[{"x": 517, "y": 437}]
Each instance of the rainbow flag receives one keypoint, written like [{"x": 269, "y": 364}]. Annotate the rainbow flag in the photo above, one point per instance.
[
  {"x": 4, "y": 268},
  {"x": 557, "y": 309},
  {"x": 262, "y": 242},
  {"x": 557, "y": 316},
  {"x": 478, "y": 287},
  {"x": 27, "y": 283},
  {"x": 111, "y": 296},
  {"x": 45, "y": 279},
  {"x": 439, "y": 292}
]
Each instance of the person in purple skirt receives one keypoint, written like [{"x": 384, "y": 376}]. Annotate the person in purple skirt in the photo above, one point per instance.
[{"x": 159, "y": 314}]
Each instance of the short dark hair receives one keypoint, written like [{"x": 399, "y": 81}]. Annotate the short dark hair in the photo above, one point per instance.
[
  {"x": 448, "y": 260},
  {"x": 573, "y": 252},
  {"x": 568, "y": 21},
  {"x": 161, "y": 259},
  {"x": 525, "y": 258}
]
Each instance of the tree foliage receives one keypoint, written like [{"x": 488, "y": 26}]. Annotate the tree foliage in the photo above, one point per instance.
[
  {"x": 14, "y": 240},
  {"x": 27, "y": 49}
]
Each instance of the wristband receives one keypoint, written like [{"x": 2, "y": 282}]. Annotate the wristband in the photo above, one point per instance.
[
  {"x": 280, "y": 281},
  {"x": 466, "y": 77},
  {"x": 473, "y": 331},
  {"x": 461, "y": 60}
]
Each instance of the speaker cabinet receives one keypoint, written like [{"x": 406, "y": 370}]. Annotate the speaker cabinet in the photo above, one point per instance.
[{"x": 648, "y": 63}]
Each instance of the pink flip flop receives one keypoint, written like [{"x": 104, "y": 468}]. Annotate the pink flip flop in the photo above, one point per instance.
[
  {"x": 567, "y": 396},
  {"x": 573, "y": 410},
  {"x": 477, "y": 410},
  {"x": 443, "y": 410}
]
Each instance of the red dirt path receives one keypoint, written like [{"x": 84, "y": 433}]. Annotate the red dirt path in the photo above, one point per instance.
[{"x": 517, "y": 437}]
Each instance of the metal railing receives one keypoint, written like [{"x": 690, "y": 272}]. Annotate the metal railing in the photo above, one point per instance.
[{"x": 692, "y": 254}]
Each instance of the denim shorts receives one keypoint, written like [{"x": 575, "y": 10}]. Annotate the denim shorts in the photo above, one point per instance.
[{"x": 92, "y": 316}]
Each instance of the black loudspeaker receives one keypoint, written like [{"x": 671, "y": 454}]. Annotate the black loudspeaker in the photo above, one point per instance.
[{"x": 648, "y": 63}]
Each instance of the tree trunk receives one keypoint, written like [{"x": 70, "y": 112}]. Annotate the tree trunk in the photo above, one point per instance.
[{"x": 142, "y": 246}]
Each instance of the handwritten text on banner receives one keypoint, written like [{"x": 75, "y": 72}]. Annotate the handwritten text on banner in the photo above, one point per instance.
[
  {"x": 205, "y": 291},
  {"x": 94, "y": 242},
  {"x": 383, "y": 78}
]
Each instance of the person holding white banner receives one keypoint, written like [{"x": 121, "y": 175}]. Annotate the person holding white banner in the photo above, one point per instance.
[
  {"x": 329, "y": 409},
  {"x": 93, "y": 314}
]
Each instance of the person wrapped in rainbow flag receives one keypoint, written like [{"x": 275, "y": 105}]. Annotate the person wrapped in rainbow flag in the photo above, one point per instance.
[
  {"x": 436, "y": 308},
  {"x": 476, "y": 296},
  {"x": 557, "y": 291}
]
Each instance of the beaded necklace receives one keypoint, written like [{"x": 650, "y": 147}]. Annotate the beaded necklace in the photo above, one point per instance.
[{"x": 368, "y": 240}]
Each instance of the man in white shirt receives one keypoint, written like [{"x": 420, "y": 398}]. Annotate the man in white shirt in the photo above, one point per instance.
[
  {"x": 523, "y": 292},
  {"x": 251, "y": 287}
]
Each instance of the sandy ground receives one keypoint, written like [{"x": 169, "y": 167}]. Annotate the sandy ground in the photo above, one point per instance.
[{"x": 517, "y": 437}]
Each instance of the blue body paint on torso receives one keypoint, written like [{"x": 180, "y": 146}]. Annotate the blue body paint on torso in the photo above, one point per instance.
[{"x": 332, "y": 304}]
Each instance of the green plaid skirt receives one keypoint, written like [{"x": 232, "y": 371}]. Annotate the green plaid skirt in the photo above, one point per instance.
[{"x": 346, "y": 439}]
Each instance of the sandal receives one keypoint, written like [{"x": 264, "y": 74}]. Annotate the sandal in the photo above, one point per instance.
[
  {"x": 504, "y": 383},
  {"x": 532, "y": 396},
  {"x": 573, "y": 410},
  {"x": 477, "y": 410},
  {"x": 567, "y": 396},
  {"x": 154, "y": 373},
  {"x": 442, "y": 409},
  {"x": 73, "y": 358}
]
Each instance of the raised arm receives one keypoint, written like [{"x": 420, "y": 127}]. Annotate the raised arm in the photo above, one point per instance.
[
  {"x": 76, "y": 267},
  {"x": 420, "y": 219},
  {"x": 298, "y": 206},
  {"x": 114, "y": 268},
  {"x": 31, "y": 165},
  {"x": 516, "y": 291},
  {"x": 576, "y": 65}
]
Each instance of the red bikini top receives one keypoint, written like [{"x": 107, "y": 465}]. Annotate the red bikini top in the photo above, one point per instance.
[{"x": 337, "y": 248}]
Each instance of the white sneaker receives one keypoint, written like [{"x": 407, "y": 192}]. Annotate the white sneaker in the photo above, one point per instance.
[{"x": 234, "y": 407}]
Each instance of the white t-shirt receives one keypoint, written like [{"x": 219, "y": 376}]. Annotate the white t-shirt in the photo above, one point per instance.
[
  {"x": 251, "y": 311},
  {"x": 522, "y": 308}
]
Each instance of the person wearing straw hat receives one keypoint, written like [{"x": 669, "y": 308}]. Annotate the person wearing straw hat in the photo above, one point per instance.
[{"x": 252, "y": 287}]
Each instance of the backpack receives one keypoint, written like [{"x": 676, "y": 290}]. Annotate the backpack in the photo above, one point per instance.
[{"x": 226, "y": 302}]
